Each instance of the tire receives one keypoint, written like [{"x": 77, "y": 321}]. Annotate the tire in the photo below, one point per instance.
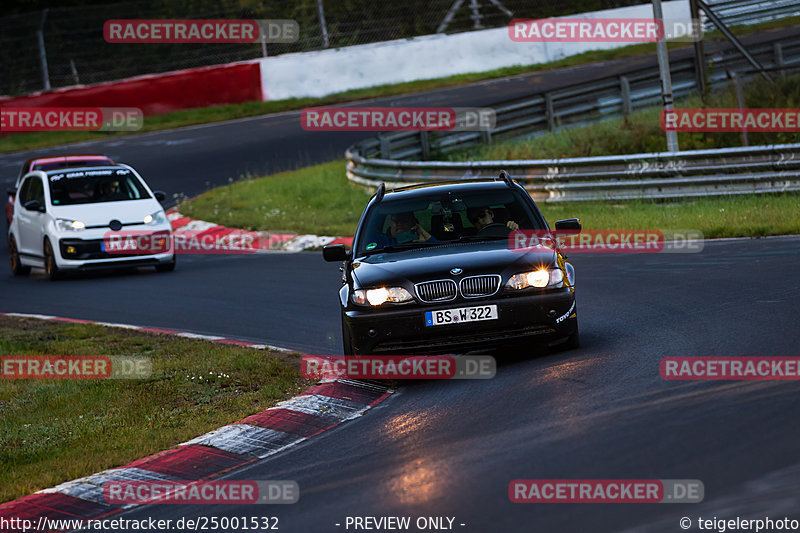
[
  {"x": 166, "y": 267},
  {"x": 50, "y": 265},
  {"x": 17, "y": 268}
]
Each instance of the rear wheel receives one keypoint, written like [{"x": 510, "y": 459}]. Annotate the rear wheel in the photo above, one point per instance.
[
  {"x": 17, "y": 268},
  {"x": 50, "y": 265}
]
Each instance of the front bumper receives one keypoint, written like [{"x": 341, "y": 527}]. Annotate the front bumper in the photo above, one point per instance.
[
  {"x": 545, "y": 316},
  {"x": 88, "y": 253}
]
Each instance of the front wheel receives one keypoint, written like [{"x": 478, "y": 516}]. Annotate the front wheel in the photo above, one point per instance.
[
  {"x": 17, "y": 268},
  {"x": 166, "y": 267},
  {"x": 50, "y": 265},
  {"x": 347, "y": 342},
  {"x": 573, "y": 341}
]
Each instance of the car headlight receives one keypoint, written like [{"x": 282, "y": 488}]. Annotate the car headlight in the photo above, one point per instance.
[
  {"x": 63, "y": 224},
  {"x": 541, "y": 278},
  {"x": 381, "y": 295},
  {"x": 154, "y": 219}
]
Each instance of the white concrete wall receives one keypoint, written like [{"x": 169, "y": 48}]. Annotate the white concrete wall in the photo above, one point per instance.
[{"x": 431, "y": 56}]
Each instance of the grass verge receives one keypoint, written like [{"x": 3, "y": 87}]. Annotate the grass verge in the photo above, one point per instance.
[
  {"x": 320, "y": 200},
  {"x": 53, "y": 431},
  {"x": 29, "y": 141}
]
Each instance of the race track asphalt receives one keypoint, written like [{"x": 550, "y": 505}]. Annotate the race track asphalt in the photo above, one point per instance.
[{"x": 451, "y": 448}]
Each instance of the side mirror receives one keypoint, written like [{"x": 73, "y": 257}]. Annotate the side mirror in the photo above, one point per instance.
[
  {"x": 335, "y": 252},
  {"x": 160, "y": 195},
  {"x": 34, "y": 205},
  {"x": 573, "y": 224},
  {"x": 12, "y": 191}
]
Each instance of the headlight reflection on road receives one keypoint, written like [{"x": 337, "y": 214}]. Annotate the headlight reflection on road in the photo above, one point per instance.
[{"x": 421, "y": 473}]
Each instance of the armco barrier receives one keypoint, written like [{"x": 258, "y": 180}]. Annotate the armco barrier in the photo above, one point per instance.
[
  {"x": 757, "y": 169},
  {"x": 159, "y": 93}
]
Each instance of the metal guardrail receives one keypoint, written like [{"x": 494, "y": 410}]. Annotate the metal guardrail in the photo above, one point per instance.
[
  {"x": 579, "y": 104},
  {"x": 735, "y": 12},
  {"x": 657, "y": 175},
  {"x": 727, "y": 171}
]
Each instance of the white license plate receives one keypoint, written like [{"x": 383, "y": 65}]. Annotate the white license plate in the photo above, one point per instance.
[{"x": 461, "y": 315}]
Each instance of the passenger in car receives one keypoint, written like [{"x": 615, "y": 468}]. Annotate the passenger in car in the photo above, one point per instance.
[{"x": 404, "y": 228}]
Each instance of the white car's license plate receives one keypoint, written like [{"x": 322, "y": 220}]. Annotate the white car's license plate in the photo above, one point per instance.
[{"x": 460, "y": 315}]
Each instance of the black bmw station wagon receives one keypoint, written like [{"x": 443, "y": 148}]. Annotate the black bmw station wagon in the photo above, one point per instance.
[{"x": 433, "y": 269}]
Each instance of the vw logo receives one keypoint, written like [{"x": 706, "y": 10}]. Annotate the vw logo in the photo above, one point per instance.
[{"x": 456, "y": 271}]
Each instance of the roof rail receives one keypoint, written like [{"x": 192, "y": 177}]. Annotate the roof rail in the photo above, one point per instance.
[
  {"x": 381, "y": 191},
  {"x": 505, "y": 177}
]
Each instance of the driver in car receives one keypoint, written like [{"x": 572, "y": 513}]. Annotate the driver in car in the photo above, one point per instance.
[
  {"x": 404, "y": 228},
  {"x": 484, "y": 216}
]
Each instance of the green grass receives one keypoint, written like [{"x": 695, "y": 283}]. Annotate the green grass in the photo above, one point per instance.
[
  {"x": 746, "y": 215},
  {"x": 53, "y": 431},
  {"x": 641, "y": 132},
  {"x": 28, "y": 141},
  {"x": 318, "y": 200}
]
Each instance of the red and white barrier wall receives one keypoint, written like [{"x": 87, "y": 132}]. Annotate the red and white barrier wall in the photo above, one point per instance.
[
  {"x": 323, "y": 72},
  {"x": 156, "y": 94}
]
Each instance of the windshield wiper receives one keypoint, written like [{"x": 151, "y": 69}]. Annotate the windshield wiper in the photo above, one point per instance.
[
  {"x": 405, "y": 246},
  {"x": 477, "y": 238}
]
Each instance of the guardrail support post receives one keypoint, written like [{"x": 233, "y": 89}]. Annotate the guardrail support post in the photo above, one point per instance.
[
  {"x": 425, "y": 144},
  {"x": 386, "y": 149},
  {"x": 486, "y": 136},
  {"x": 549, "y": 113},
  {"x": 625, "y": 87},
  {"x": 779, "y": 62}
]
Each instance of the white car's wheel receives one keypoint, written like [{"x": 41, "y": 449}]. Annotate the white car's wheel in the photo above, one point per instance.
[
  {"x": 17, "y": 268},
  {"x": 50, "y": 265}
]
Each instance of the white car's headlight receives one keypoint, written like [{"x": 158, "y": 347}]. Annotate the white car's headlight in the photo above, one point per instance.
[
  {"x": 381, "y": 295},
  {"x": 541, "y": 278},
  {"x": 63, "y": 224},
  {"x": 154, "y": 219}
]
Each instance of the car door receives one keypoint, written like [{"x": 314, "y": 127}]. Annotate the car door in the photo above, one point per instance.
[{"x": 30, "y": 223}]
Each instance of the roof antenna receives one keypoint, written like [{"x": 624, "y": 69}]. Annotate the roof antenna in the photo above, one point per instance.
[
  {"x": 505, "y": 177},
  {"x": 379, "y": 194}
]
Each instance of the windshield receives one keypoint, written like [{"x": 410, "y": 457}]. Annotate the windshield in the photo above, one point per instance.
[
  {"x": 55, "y": 165},
  {"x": 95, "y": 186},
  {"x": 441, "y": 218}
]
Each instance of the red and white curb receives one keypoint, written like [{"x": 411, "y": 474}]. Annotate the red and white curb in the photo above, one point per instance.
[
  {"x": 321, "y": 407},
  {"x": 267, "y": 241}
]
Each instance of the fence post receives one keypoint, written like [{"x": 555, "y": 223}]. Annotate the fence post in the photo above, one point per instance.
[
  {"x": 386, "y": 150},
  {"x": 779, "y": 62},
  {"x": 425, "y": 144},
  {"x": 549, "y": 113},
  {"x": 43, "y": 52},
  {"x": 625, "y": 86}
]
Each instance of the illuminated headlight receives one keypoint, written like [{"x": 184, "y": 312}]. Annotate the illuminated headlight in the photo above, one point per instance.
[
  {"x": 156, "y": 218},
  {"x": 382, "y": 295},
  {"x": 63, "y": 224},
  {"x": 538, "y": 278}
]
